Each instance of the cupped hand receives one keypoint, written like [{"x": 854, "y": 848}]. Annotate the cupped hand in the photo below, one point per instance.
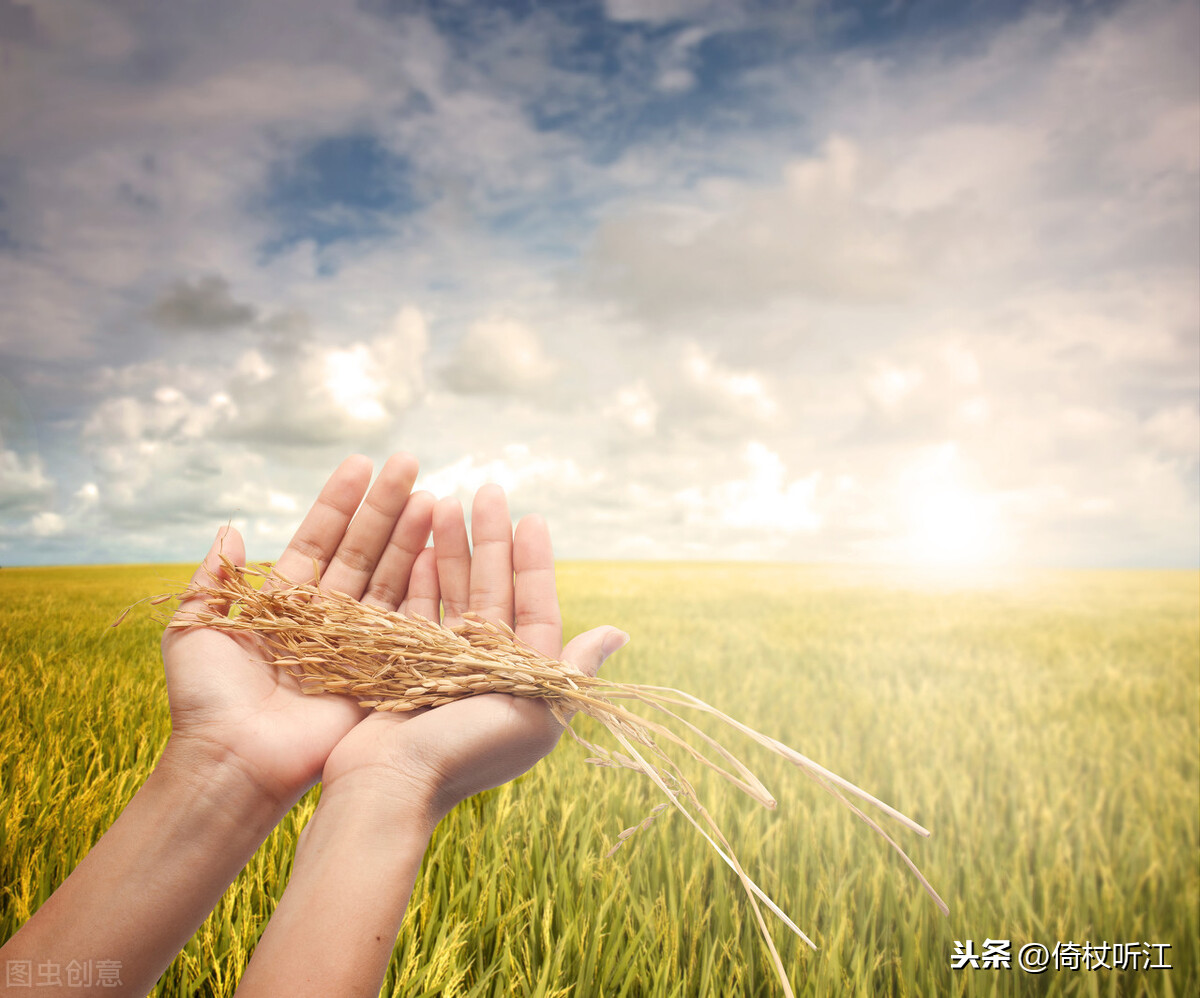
[
  {"x": 434, "y": 758},
  {"x": 226, "y": 698}
]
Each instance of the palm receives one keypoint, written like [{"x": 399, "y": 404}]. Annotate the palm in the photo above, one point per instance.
[
  {"x": 458, "y": 749},
  {"x": 222, "y": 689}
]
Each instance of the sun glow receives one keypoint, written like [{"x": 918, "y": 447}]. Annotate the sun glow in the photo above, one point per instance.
[
  {"x": 944, "y": 522},
  {"x": 350, "y": 384},
  {"x": 951, "y": 527}
]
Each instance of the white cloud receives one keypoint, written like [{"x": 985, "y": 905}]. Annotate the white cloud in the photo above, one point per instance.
[
  {"x": 960, "y": 363},
  {"x": 24, "y": 485},
  {"x": 890, "y": 386},
  {"x": 264, "y": 92},
  {"x": 817, "y": 233},
  {"x": 167, "y": 415},
  {"x": 743, "y": 390},
  {"x": 281, "y": 502},
  {"x": 498, "y": 356},
  {"x": 634, "y": 408},
  {"x": 656, "y": 10},
  {"x": 46, "y": 524},
  {"x": 349, "y": 382},
  {"x": 764, "y": 500},
  {"x": 835, "y": 260},
  {"x": 516, "y": 469},
  {"x": 253, "y": 367},
  {"x": 311, "y": 393},
  {"x": 164, "y": 454},
  {"x": 1176, "y": 431},
  {"x": 676, "y": 80}
]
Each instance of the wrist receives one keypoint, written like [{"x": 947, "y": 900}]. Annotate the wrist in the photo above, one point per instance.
[
  {"x": 335, "y": 928},
  {"x": 385, "y": 802},
  {"x": 215, "y": 775}
]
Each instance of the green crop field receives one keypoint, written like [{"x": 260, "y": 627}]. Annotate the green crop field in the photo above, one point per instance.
[{"x": 1046, "y": 731}]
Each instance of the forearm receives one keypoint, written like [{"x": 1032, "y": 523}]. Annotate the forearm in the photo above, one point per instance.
[
  {"x": 153, "y": 877},
  {"x": 336, "y": 924}
]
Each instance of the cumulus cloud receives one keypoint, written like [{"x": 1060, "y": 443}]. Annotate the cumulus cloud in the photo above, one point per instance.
[
  {"x": 165, "y": 454},
  {"x": 890, "y": 386},
  {"x": 763, "y": 500},
  {"x": 742, "y": 391},
  {"x": 818, "y": 233},
  {"x": 516, "y": 469},
  {"x": 24, "y": 485},
  {"x": 498, "y": 357},
  {"x": 686, "y": 390},
  {"x": 974, "y": 173},
  {"x": 655, "y": 10},
  {"x": 262, "y": 92},
  {"x": 315, "y": 394},
  {"x": 46, "y": 524},
  {"x": 634, "y": 408},
  {"x": 1175, "y": 431},
  {"x": 700, "y": 279}
]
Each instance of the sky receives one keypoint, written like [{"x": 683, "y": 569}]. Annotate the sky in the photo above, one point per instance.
[{"x": 895, "y": 282}]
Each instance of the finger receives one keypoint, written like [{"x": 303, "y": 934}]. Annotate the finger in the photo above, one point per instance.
[
  {"x": 325, "y": 524},
  {"x": 228, "y": 544},
  {"x": 453, "y": 554},
  {"x": 538, "y": 620},
  {"x": 491, "y": 556},
  {"x": 392, "y": 577},
  {"x": 423, "y": 593},
  {"x": 357, "y": 555},
  {"x": 587, "y": 651}
]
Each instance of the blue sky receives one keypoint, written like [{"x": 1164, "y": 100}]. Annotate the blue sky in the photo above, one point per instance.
[{"x": 872, "y": 283}]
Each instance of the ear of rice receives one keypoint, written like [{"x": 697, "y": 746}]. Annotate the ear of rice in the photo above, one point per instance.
[{"x": 332, "y": 643}]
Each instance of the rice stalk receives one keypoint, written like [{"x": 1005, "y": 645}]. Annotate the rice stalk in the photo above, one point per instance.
[{"x": 332, "y": 643}]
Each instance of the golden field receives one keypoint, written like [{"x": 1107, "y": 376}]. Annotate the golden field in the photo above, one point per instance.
[{"x": 1045, "y": 729}]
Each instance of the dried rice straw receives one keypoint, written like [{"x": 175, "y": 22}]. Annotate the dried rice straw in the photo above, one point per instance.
[{"x": 332, "y": 643}]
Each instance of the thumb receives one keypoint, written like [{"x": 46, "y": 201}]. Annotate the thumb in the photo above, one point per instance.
[
  {"x": 228, "y": 544},
  {"x": 587, "y": 651}
]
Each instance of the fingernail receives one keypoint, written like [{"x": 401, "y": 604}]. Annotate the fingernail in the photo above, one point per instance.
[{"x": 614, "y": 640}]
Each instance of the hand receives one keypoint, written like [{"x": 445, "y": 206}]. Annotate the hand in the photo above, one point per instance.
[
  {"x": 245, "y": 743},
  {"x": 392, "y": 777},
  {"x": 237, "y": 707},
  {"x": 430, "y": 760}
]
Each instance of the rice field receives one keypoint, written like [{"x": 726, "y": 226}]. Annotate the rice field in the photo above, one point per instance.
[{"x": 1045, "y": 729}]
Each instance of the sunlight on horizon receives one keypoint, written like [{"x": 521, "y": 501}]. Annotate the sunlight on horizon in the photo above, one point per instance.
[{"x": 951, "y": 527}]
